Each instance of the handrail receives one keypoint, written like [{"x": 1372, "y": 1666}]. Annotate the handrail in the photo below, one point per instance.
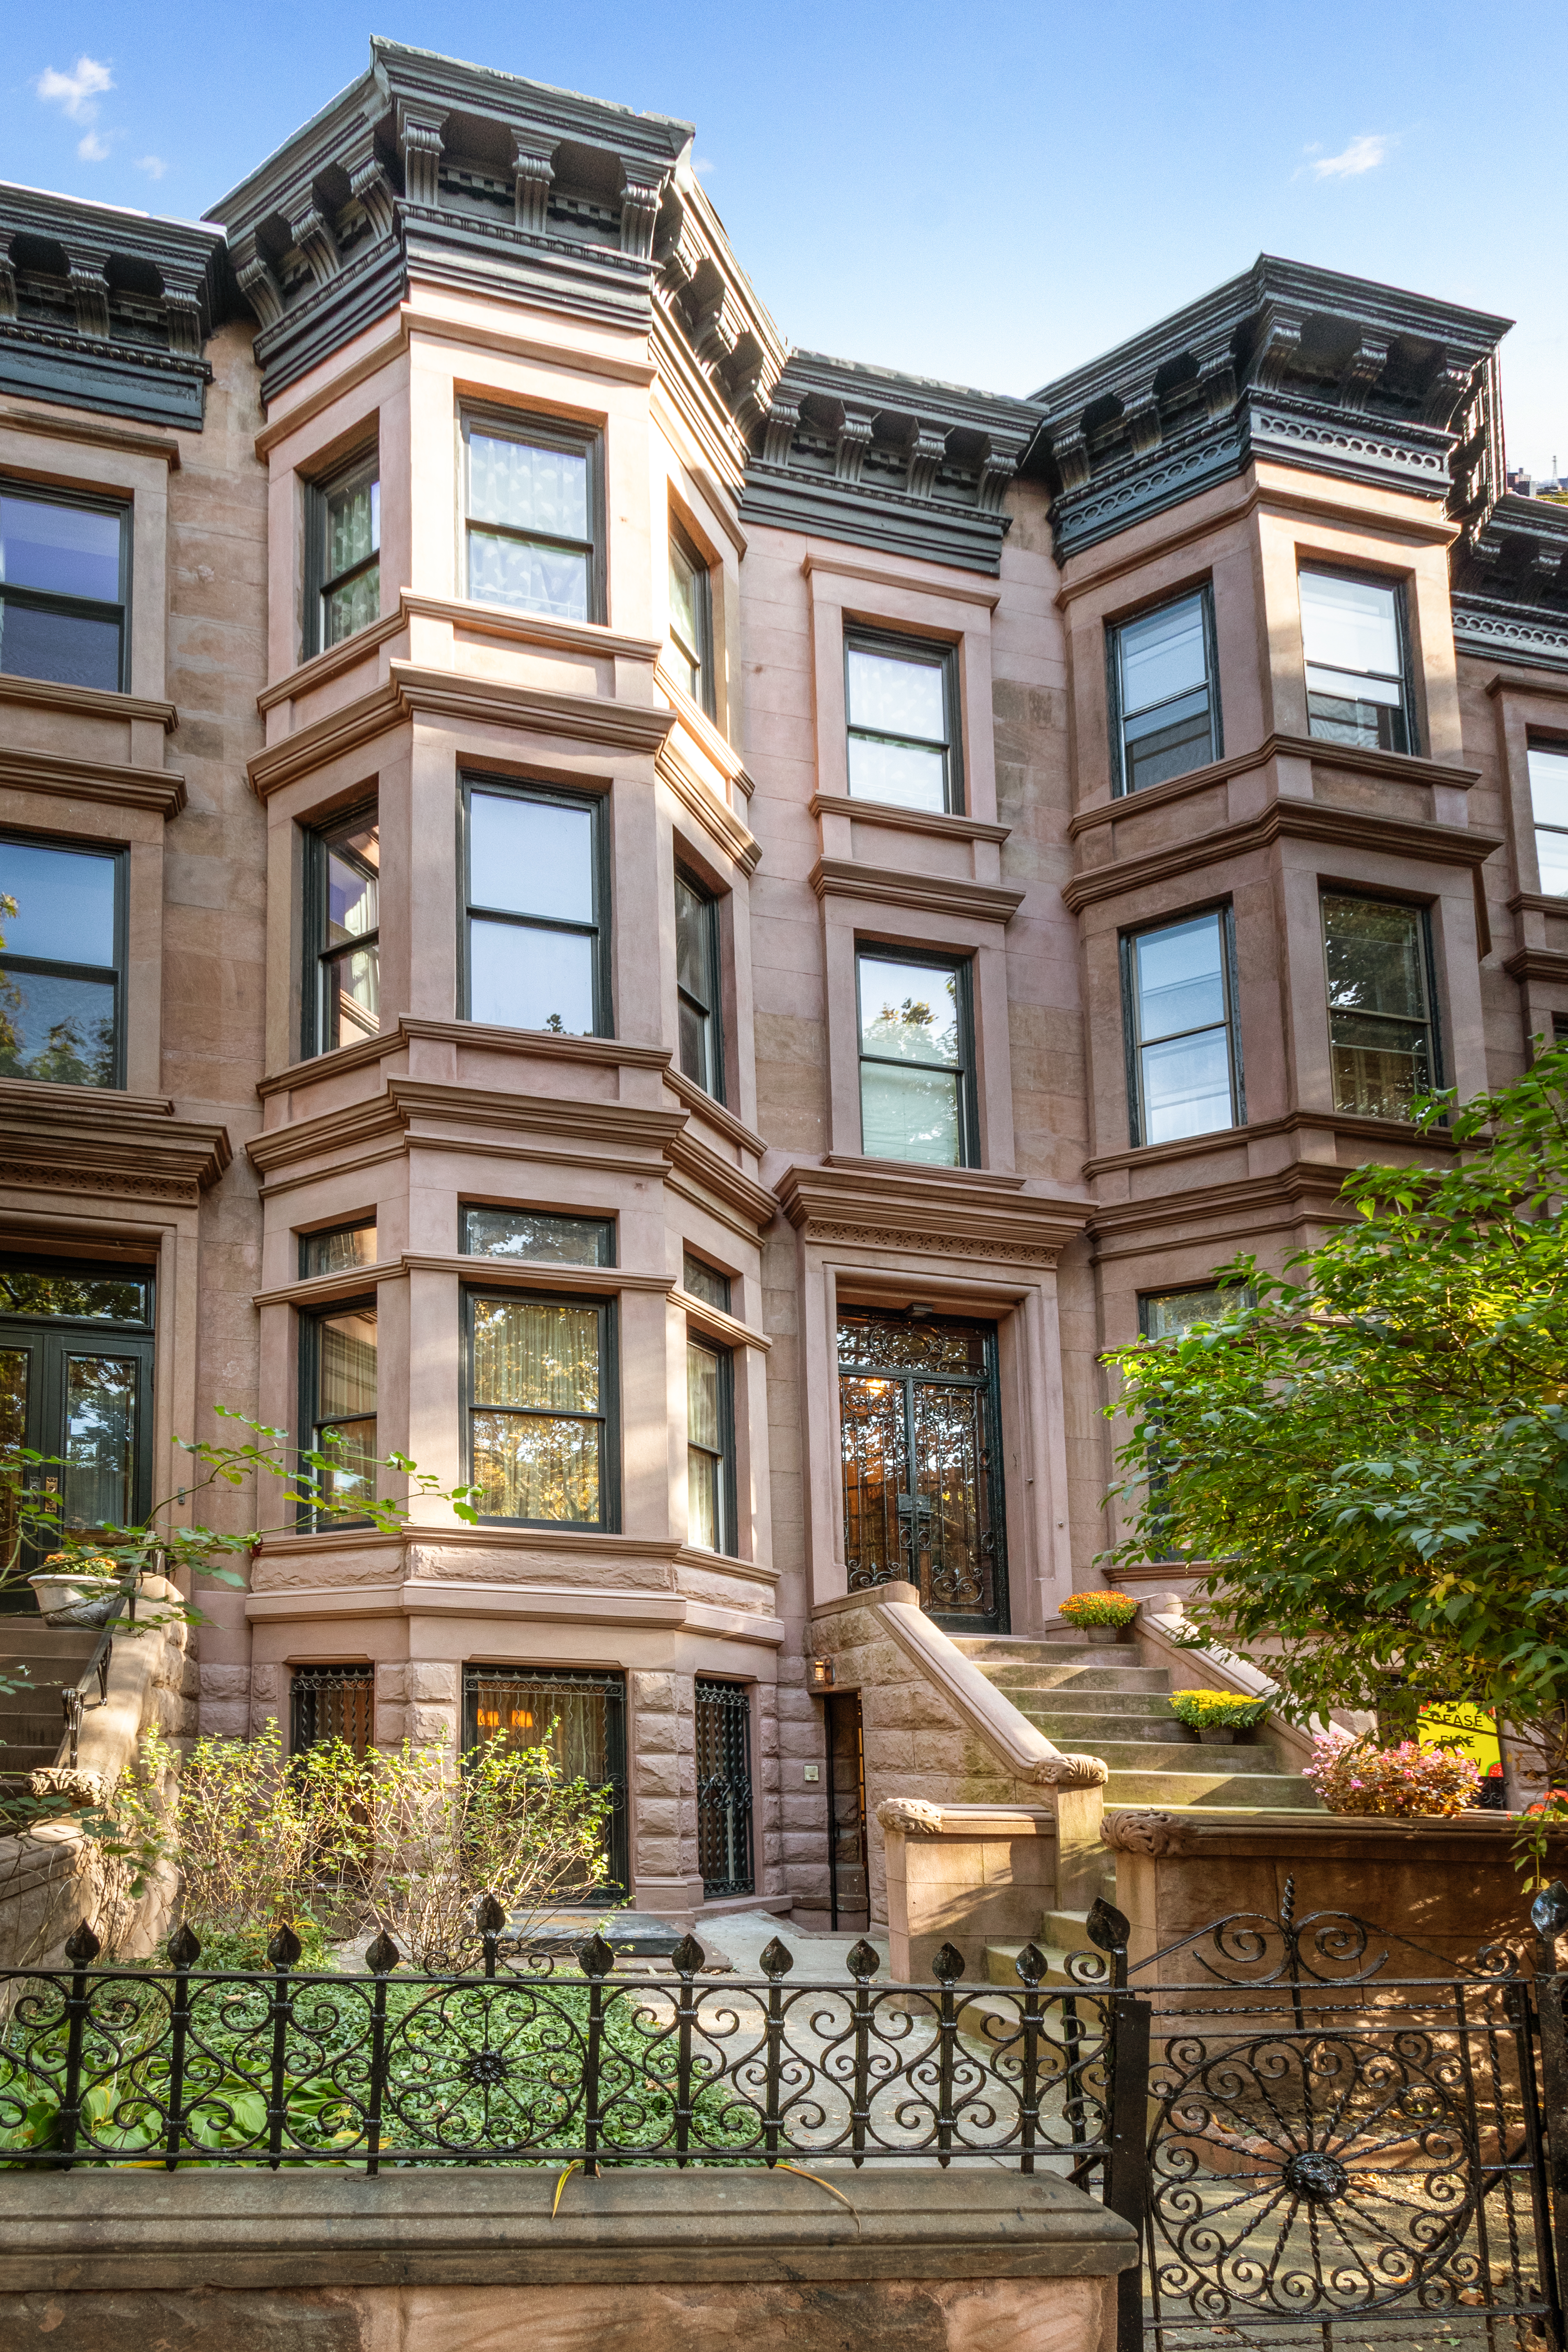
[{"x": 73, "y": 1702}]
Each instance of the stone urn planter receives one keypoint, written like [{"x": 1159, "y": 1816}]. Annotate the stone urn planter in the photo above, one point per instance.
[
  {"x": 1218, "y": 1735},
  {"x": 75, "y": 1596}
]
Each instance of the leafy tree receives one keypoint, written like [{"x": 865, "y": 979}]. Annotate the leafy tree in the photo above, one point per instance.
[{"x": 1371, "y": 1457}]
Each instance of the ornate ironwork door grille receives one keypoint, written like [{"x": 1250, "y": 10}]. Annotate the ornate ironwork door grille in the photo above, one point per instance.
[
  {"x": 332, "y": 1703},
  {"x": 922, "y": 1490},
  {"x": 724, "y": 1788},
  {"x": 583, "y": 1715}
]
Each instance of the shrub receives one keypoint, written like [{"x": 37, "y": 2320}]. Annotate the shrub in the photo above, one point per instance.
[
  {"x": 1087, "y": 1609},
  {"x": 1352, "y": 1776},
  {"x": 1215, "y": 1710}
]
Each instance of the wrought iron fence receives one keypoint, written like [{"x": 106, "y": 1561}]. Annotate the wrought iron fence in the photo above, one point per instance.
[{"x": 526, "y": 2063}]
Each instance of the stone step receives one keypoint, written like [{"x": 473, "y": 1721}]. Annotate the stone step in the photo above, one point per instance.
[
  {"x": 998, "y": 1650},
  {"x": 1108, "y": 1723},
  {"x": 1069, "y": 1705},
  {"x": 1274, "y": 1790},
  {"x": 30, "y": 1638},
  {"x": 1085, "y": 1678},
  {"x": 1181, "y": 1757}
]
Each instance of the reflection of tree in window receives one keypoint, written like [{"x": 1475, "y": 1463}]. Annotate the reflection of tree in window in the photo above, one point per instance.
[
  {"x": 911, "y": 1062},
  {"x": 58, "y": 971},
  {"x": 100, "y": 1440},
  {"x": 1380, "y": 1035}
]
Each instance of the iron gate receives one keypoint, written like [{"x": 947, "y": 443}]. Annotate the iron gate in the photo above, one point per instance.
[{"x": 1339, "y": 2138}]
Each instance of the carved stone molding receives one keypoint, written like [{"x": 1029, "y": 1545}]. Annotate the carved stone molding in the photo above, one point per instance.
[
  {"x": 534, "y": 168},
  {"x": 1072, "y": 1772},
  {"x": 927, "y": 451},
  {"x": 639, "y": 211},
  {"x": 419, "y": 137},
  {"x": 89, "y": 293},
  {"x": 910, "y": 1814},
  {"x": 899, "y": 1238},
  {"x": 868, "y": 1206},
  {"x": 1140, "y": 1832},
  {"x": 317, "y": 242},
  {"x": 65, "y": 1139}
]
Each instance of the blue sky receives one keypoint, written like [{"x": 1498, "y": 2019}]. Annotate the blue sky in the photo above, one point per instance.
[{"x": 987, "y": 192}]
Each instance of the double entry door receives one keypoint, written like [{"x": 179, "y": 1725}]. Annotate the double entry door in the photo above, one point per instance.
[{"x": 919, "y": 1430}]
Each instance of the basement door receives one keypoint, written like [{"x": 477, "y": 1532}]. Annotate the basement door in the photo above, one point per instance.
[{"x": 919, "y": 1429}]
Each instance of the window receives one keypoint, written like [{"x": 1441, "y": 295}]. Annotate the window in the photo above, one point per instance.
[
  {"x": 1163, "y": 693},
  {"x": 65, "y": 586},
  {"x": 1171, "y": 1314},
  {"x": 541, "y": 1375},
  {"x": 538, "y": 1234},
  {"x": 1183, "y": 1071},
  {"x": 531, "y": 506},
  {"x": 343, "y": 973},
  {"x": 344, "y": 574},
  {"x": 697, "y": 986},
  {"x": 901, "y": 694},
  {"x": 916, "y": 1094},
  {"x": 61, "y": 971},
  {"x": 338, "y": 1250},
  {"x": 582, "y": 1716},
  {"x": 327, "y": 1703},
  {"x": 710, "y": 1447},
  {"x": 75, "y": 1384},
  {"x": 337, "y": 1382},
  {"x": 1381, "y": 1040},
  {"x": 691, "y": 619},
  {"x": 1549, "y": 806},
  {"x": 537, "y": 892},
  {"x": 919, "y": 1429},
  {"x": 1352, "y": 632},
  {"x": 705, "y": 1282},
  {"x": 724, "y": 1742}
]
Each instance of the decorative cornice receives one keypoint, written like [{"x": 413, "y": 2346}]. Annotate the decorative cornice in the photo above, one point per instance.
[
  {"x": 1296, "y": 1122},
  {"x": 694, "y": 1159},
  {"x": 1439, "y": 845},
  {"x": 906, "y": 820},
  {"x": 163, "y": 790},
  {"x": 65, "y": 1139},
  {"x": 844, "y": 877},
  {"x": 1395, "y": 767},
  {"x": 87, "y": 701},
  {"x": 860, "y": 1206},
  {"x": 1490, "y": 629},
  {"x": 310, "y": 748},
  {"x": 1547, "y": 965},
  {"x": 395, "y": 1112},
  {"x": 702, "y": 1105}
]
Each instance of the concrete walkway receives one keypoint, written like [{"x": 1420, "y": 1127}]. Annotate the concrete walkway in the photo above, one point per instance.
[{"x": 742, "y": 1936}]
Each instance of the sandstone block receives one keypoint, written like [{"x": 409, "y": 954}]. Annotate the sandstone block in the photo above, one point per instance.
[
  {"x": 225, "y": 1682},
  {"x": 433, "y": 1682}
]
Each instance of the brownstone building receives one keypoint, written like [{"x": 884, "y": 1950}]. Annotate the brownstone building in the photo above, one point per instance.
[{"x": 684, "y": 930}]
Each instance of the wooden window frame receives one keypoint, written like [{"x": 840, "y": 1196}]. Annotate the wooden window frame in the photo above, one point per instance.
[
  {"x": 537, "y": 432},
  {"x": 608, "y": 1415}
]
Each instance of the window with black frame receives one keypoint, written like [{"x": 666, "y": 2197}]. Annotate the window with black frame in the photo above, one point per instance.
[
  {"x": 337, "y": 1249},
  {"x": 344, "y": 591},
  {"x": 531, "y": 515},
  {"x": 338, "y": 1411},
  {"x": 537, "y": 897},
  {"x": 1171, "y": 1315},
  {"x": 901, "y": 704},
  {"x": 697, "y": 986},
  {"x": 1358, "y": 663},
  {"x": 542, "y": 1236},
  {"x": 76, "y": 1385},
  {"x": 691, "y": 620},
  {"x": 723, "y": 1745},
  {"x": 1164, "y": 693},
  {"x": 1382, "y": 1044},
  {"x": 919, "y": 1416},
  {"x": 331, "y": 1702},
  {"x": 1183, "y": 1049},
  {"x": 65, "y": 586},
  {"x": 710, "y": 1446},
  {"x": 705, "y": 1282},
  {"x": 1549, "y": 808},
  {"x": 343, "y": 973},
  {"x": 63, "y": 963},
  {"x": 917, "y": 1059},
  {"x": 580, "y": 1714},
  {"x": 541, "y": 1396}
]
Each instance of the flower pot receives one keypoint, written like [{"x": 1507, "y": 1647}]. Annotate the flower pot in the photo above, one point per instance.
[
  {"x": 1218, "y": 1735},
  {"x": 78, "y": 1600}
]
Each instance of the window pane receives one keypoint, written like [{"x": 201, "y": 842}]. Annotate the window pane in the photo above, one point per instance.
[
  {"x": 695, "y": 1054},
  {"x": 1348, "y": 624},
  {"x": 337, "y": 1251},
  {"x": 1371, "y": 726},
  {"x": 530, "y": 488},
  {"x": 702, "y": 1514},
  {"x": 532, "y": 858},
  {"x": 1173, "y": 1315},
  {"x": 1341, "y": 684},
  {"x": 527, "y": 1468},
  {"x": 1549, "y": 785},
  {"x": 65, "y": 904},
  {"x": 532, "y": 1234},
  {"x": 68, "y": 550},
  {"x": 909, "y": 1115},
  {"x": 1551, "y": 856},
  {"x": 532, "y": 1352},
  {"x": 1181, "y": 978},
  {"x": 683, "y": 597},
  {"x": 909, "y": 1012},
  {"x": 534, "y": 578},
  {"x": 521, "y": 978},
  {"x": 693, "y": 941},
  {"x": 899, "y": 773},
  {"x": 894, "y": 695},
  {"x": 353, "y": 606},
  {"x": 1187, "y": 1087},
  {"x": 705, "y": 1282},
  {"x": 1162, "y": 655},
  {"x": 352, "y": 983},
  {"x": 702, "y": 1398},
  {"x": 59, "y": 1032},
  {"x": 1172, "y": 749},
  {"x": 349, "y": 1482},
  {"x": 346, "y": 1364},
  {"x": 69, "y": 648},
  {"x": 99, "y": 1440},
  {"x": 106, "y": 1298},
  {"x": 1376, "y": 957},
  {"x": 353, "y": 525},
  {"x": 1379, "y": 1068}
]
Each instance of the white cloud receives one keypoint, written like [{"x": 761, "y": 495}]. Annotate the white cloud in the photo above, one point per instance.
[
  {"x": 1362, "y": 154},
  {"x": 154, "y": 165},
  {"x": 76, "y": 92},
  {"x": 92, "y": 148}
]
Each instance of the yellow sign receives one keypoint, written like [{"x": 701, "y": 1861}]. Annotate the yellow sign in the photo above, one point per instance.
[{"x": 1462, "y": 1728}]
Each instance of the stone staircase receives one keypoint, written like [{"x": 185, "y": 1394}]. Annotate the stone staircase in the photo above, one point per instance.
[
  {"x": 1101, "y": 1700},
  {"x": 32, "y": 1720}
]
